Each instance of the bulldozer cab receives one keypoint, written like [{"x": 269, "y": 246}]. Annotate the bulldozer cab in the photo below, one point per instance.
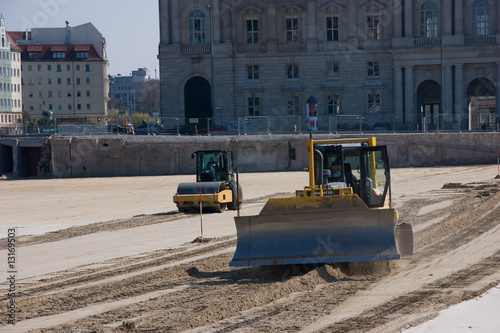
[
  {"x": 214, "y": 165},
  {"x": 363, "y": 168}
]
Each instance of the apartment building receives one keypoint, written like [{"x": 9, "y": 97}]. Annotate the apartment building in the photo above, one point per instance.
[
  {"x": 127, "y": 88},
  {"x": 10, "y": 81},
  {"x": 416, "y": 62},
  {"x": 65, "y": 71}
]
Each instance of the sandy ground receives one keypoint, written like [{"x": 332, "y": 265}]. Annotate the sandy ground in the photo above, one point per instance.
[{"x": 113, "y": 255}]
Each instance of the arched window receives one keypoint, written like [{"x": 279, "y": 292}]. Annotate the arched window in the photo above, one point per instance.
[
  {"x": 197, "y": 27},
  {"x": 429, "y": 20},
  {"x": 481, "y": 18}
]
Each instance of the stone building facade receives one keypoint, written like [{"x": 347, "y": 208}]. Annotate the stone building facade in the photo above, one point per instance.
[
  {"x": 408, "y": 63},
  {"x": 10, "y": 81},
  {"x": 65, "y": 71}
]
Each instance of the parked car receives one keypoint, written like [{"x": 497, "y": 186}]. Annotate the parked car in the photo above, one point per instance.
[
  {"x": 214, "y": 128},
  {"x": 182, "y": 130},
  {"x": 145, "y": 128},
  {"x": 113, "y": 128},
  {"x": 364, "y": 127},
  {"x": 382, "y": 127}
]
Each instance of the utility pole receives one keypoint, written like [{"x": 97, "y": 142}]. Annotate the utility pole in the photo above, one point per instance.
[
  {"x": 212, "y": 88},
  {"x": 443, "y": 105}
]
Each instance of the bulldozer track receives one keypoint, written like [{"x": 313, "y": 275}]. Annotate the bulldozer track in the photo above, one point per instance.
[{"x": 192, "y": 289}]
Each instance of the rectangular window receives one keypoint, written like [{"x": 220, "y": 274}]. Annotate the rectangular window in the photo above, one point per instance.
[
  {"x": 88, "y": 93},
  {"x": 88, "y": 107},
  {"x": 78, "y": 106},
  {"x": 87, "y": 80},
  {"x": 373, "y": 103},
  {"x": 292, "y": 30},
  {"x": 253, "y": 72},
  {"x": 252, "y": 31},
  {"x": 58, "y": 55},
  {"x": 39, "y": 68},
  {"x": 78, "y": 94},
  {"x": 333, "y": 70},
  {"x": 68, "y": 81},
  {"x": 59, "y": 68},
  {"x": 77, "y": 80},
  {"x": 68, "y": 67},
  {"x": 333, "y": 104},
  {"x": 50, "y": 94},
  {"x": 49, "y": 80},
  {"x": 253, "y": 106},
  {"x": 197, "y": 28},
  {"x": 373, "y": 27},
  {"x": 332, "y": 29},
  {"x": 49, "y": 68},
  {"x": 35, "y": 55},
  {"x": 373, "y": 69},
  {"x": 69, "y": 107},
  {"x": 292, "y": 71},
  {"x": 59, "y": 81},
  {"x": 77, "y": 67},
  {"x": 30, "y": 68},
  {"x": 82, "y": 54},
  {"x": 87, "y": 68},
  {"x": 293, "y": 106}
]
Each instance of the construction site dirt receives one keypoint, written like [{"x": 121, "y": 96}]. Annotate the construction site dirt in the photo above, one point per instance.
[{"x": 115, "y": 255}]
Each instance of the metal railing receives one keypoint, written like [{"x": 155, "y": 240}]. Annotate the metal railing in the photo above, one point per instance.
[{"x": 331, "y": 124}]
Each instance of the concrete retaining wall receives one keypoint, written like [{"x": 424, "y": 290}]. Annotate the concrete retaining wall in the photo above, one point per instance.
[{"x": 124, "y": 155}]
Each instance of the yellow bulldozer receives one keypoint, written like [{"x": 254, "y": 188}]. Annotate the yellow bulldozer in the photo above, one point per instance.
[
  {"x": 216, "y": 187},
  {"x": 344, "y": 215}
]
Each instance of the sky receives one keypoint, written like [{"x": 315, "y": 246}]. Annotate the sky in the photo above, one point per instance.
[{"x": 130, "y": 27}]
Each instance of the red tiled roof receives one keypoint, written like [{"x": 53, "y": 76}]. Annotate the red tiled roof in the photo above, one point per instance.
[
  {"x": 14, "y": 36},
  {"x": 70, "y": 50},
  {"x": 58, "y": 48},
  {"x": 35, "y": 48},
  {"x": 79, "y": 48}
]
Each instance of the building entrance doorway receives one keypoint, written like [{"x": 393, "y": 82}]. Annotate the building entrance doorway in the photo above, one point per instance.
[
  {"x": 429, "y": 99},
  {"x": 482, "y": 105},
  {"x": 197, "y": 101}
]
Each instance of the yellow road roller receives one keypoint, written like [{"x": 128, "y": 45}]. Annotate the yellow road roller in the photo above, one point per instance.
[
  {"x": 216, "y": 188},
  {"x": 345, "y": 214}
]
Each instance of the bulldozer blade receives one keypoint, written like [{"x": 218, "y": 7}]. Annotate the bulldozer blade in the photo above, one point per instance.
[
  {"x": 345, "y": 234},
  {"x": 404, "y": 239}
]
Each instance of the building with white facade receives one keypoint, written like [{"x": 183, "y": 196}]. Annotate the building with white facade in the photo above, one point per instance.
[
  {"x": 127, "y": 88},
  {"x": 409, "y": 63},
  {"x": 64, "y": 70},
  {"x": 10, "y": 81}
]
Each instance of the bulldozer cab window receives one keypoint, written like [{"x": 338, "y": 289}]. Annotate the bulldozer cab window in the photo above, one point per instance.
[
  {"x": 209, "y": 167},
  {"x": 374, "y": 172}
]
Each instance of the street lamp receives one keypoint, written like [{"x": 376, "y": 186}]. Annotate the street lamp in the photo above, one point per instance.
[{"x": 212, "y": 93}]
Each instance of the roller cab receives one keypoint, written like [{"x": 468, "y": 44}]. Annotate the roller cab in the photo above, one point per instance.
[
  {"x": 344, "y": 215},
  {"x": 215, "y": 187}
]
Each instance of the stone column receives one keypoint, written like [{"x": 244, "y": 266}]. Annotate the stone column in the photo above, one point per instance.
[
  {"x": 312, "y": 39},
  {"x": 497, "y": 98},
  {"x": 216, "y": 23},
  {"x": 174, "y": 15},
  {"x": 399, "y": 110},
  {"x": 397, "y": 15},
  {"x": 410, "y": 97},
  {"x": 459, "y": 17},
  {"x": 164, "y": 22},
  {"x": 460, "y": 94},
  {"x": 408, "y": 18},
  {"x": 448, "y": 88},
  {"x": 272, "y": 43},
  {"x": 447, "y": 17}
]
